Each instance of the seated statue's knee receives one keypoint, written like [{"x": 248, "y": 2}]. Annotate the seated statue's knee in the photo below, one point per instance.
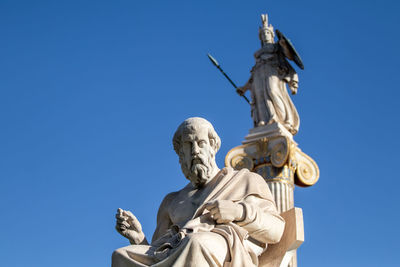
[
  {"x": 117, "y": 254},
  {"x": 208, "y": 239},
  {"x": 212, "y": 242},
  {"x": 200, "y": 238}
]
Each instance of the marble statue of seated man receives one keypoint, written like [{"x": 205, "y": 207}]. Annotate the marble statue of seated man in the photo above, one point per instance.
[{"x": 220, "y": 218}]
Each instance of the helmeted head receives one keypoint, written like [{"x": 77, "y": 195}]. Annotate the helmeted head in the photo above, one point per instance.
[
  {"x": 196, "y": 143},
  {"x": 266, "y": 32}
]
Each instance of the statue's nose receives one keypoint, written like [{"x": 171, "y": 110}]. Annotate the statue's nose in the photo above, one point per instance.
[{"x": 195, "y": 149}]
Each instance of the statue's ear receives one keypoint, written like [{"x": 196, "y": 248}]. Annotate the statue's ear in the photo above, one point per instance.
[
  {"x": 212, "y": 143},
  {"x": 214, "y": 147}
]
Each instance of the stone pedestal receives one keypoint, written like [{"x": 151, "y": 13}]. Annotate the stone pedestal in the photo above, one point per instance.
[{"x": 271, "y": 152}]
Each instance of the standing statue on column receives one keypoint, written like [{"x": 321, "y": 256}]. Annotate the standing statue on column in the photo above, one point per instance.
[{"x": 270, "y": 100}]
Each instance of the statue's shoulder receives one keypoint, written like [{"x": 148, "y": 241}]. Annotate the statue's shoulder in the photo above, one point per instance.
[
  {"x": 248, "y": 183},
  {"x": 250, "y": 177},
  {"x": 177, "y": 194},
  {"x": 169, "y": 198}
]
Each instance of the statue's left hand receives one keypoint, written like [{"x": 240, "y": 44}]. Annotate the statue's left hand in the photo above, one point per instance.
[
  {"x": 240, "y": 91},
  {"x": 129, "y": 226},
  {"x": 293, "y": 87},
  {"x": 225, "y": 211}
]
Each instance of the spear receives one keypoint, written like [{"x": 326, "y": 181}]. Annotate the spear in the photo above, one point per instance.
[{"x": 216, "y": 64}]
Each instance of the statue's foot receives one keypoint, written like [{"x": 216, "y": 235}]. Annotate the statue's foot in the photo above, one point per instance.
[
  {"x": 261, "y": 123},
  {"x": 290, "y": 128},
  {"x": 272, "y": 121}
]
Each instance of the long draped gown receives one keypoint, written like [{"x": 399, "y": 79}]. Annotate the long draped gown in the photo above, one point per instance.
[
  {"x": 270, "y": 100},
  {"x": 197, "y": 240}
]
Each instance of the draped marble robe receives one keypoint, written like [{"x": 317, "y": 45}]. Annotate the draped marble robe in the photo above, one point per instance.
[
  {"x": 267, "y": 84},
  {"x": 183, "y": 239}
]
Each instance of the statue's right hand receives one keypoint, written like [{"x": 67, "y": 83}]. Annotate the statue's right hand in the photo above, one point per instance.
[
  {"x": 240, "y": 91},
  {"x": 129, "y": 226}
]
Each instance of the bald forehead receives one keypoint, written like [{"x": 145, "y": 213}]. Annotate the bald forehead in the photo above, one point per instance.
[
  {"x": 196, "y": 133},
  {"x": 194, "y": 128}
]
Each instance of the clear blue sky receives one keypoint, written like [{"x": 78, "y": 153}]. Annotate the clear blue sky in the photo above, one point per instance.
[{"x": 91, "y": 93}]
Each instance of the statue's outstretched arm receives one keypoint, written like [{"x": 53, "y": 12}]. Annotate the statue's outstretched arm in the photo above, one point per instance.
[
  {"x": 244, "y": 88},
  {"x": 129, "y": 226}
]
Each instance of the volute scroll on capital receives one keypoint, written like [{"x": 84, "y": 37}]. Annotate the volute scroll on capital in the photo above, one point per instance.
[
  {"x": 307, "y": 171},
  {"x": 274, "y": 150},
  {"x": 280, "y": 156}
]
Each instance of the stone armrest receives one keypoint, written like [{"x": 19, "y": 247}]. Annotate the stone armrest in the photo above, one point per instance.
[{"x": 279, "y": 255}]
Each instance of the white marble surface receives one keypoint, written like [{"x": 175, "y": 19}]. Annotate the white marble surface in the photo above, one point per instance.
[
  {"x": 220, "y": 216},
  {"x": 267, "y": 83}
]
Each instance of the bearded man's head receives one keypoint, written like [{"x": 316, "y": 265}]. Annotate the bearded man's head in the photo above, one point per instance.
[{"x": 196, "y": 143}]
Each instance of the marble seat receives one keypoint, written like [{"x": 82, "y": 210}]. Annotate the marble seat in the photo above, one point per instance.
[{"x": 280, "y": 254}]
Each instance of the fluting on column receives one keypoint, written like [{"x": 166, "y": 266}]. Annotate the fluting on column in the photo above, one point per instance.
[{"x": 283, "y": 195}]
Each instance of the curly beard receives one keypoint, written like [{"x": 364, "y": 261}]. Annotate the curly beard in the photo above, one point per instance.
[{"x": 199, "y": 172}]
